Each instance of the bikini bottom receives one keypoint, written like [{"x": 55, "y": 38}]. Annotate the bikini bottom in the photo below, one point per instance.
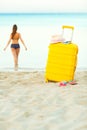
[{"x": 15, "y": 46}]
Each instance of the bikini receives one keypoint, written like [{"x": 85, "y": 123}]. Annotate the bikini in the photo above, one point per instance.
[{"x": 16, "y": 45}]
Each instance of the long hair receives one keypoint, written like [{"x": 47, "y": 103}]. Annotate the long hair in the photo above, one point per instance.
[{"x": 14, "y": 30}]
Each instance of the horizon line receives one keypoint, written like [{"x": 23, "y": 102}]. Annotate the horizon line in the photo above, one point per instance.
[{"x": 43, "y": 12}]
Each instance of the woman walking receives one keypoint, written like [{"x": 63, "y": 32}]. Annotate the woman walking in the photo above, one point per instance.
[{"x": 15, "y": 47}]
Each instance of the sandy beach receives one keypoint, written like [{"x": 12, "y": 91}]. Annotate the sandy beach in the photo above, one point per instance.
[{"x": 27, "y": 102}]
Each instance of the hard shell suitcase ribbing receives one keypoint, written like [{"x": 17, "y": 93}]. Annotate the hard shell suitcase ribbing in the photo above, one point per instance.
[{"x": 62, "y": 61}]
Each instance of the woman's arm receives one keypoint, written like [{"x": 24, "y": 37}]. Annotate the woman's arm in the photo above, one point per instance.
[
  {"x": 22, "y": 41},
  {"x": 7, "y": 43}
]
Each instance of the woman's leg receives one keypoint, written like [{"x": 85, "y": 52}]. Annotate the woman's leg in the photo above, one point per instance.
[{"x": 15, "y": 53}]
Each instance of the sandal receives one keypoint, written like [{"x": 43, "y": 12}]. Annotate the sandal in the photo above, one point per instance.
[
  {"x": 72, "y": 82},
  {"x": 63, "y": 84}
]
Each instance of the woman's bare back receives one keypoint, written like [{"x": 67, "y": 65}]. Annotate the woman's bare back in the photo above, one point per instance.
[{"x": 16, "y": 38}]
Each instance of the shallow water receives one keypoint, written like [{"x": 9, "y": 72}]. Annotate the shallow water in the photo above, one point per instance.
[{"x": 36, "y": 30}]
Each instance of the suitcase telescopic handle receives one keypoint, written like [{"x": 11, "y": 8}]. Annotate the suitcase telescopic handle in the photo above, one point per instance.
[{"x": 68, "y": 27}]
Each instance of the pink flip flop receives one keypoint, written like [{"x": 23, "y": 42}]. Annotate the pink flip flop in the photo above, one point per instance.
[
  {"x": 62, "y": 84},
  {"x": 72, "y": 82}
]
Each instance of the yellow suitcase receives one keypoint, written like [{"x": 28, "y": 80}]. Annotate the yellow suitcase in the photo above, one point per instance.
[{"x": 62, "y": 61}]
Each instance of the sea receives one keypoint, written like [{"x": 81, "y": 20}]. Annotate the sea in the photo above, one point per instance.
[{"x": 37, "y": 30}]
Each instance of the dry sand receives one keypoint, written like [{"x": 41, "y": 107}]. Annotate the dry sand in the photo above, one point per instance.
[{"x": 27, "y": 102}]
